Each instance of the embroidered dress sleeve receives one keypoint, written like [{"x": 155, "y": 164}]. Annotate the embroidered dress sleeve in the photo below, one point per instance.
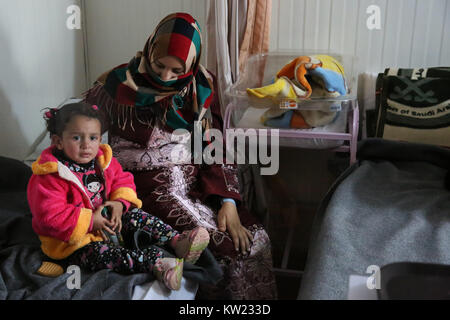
[
  {"x": 217, "y": 180},
  {"x": 53, "y": 215}
]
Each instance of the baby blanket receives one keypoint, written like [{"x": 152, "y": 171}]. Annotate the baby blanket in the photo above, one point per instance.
[{"x": 304, "y": 77}]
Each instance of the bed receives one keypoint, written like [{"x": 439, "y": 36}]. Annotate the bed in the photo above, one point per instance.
[
  {"x": 391, "y": 206},
  {"x": 21, "y": 257}
]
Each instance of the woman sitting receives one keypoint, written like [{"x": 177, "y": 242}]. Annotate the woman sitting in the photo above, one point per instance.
[{"x": 162, "y": 89}]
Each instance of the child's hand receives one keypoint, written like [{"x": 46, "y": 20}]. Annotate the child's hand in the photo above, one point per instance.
[
  {"x": 101, "y": 223},
  {"x": 116, "y": 214}
]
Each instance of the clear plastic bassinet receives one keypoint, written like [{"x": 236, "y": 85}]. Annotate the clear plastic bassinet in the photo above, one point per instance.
[{"x": 339, "y": 135}]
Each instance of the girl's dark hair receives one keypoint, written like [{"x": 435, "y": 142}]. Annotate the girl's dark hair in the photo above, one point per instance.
[{"x": 57, "y": 119}]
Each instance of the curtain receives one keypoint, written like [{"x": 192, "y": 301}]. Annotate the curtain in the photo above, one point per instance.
[
  {"x": 257, "y": 31},
  {"x": 228, "y": 43}
]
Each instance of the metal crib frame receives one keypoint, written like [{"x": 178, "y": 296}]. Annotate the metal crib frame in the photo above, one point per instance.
[{"x": 351, "y": 136}]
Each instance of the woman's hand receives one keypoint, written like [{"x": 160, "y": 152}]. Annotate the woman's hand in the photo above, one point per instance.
[
  {"x": 228, "y": 220},
  {"x": 116, "y": 214}
]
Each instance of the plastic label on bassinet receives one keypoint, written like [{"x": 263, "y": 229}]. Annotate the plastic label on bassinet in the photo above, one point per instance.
[
  {"x": 288, "y": 104},
  {"x": 294, "y": 104}
]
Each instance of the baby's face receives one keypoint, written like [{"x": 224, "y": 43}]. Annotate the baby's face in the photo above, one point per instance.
[{"x": 81, "y": 138}]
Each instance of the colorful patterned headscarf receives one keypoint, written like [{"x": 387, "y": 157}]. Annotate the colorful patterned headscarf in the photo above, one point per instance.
[{"x": 136, "y": 85}]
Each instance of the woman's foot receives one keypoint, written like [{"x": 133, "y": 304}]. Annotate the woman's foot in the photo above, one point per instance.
[
  {"x": 169, "y": 271},
  {"x": 190, "y": 244}
]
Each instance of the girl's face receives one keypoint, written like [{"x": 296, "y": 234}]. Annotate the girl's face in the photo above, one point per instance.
[
  {"x": 167, "y": 68},
  {"x": 81, "y": 138}
]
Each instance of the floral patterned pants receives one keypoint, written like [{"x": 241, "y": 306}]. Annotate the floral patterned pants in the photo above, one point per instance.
[{"x": 106, "y": 255}]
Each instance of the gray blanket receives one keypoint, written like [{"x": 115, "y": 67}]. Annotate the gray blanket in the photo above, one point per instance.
[
  {"x": 21, "y": 257},
  {"x": 390, "y": 207}
]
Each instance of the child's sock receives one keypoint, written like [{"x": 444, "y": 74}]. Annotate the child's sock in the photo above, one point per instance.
[
  {"x": 190, "y": 244},
  {"x": 169, "y": 271}
]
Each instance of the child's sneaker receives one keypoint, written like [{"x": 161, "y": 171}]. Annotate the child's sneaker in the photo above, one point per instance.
[
  {"x": 191, "y": 243},
  {"x": 169, "y": 271}
]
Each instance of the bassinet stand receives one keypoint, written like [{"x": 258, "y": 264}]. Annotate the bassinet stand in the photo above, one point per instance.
[{"x": 350, "y": 139}]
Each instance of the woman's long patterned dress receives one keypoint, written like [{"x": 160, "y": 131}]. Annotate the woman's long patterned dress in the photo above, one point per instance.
[{"x": 179, "y": 192}]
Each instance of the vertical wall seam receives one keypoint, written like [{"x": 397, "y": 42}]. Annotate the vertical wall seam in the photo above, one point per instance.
[
  {"x": 443, "y": 32},
  {"x": 384, "y": 34},
  {"x": 304, "y": 24},
  {"x": 427, "y": 31},
  {"x": 84, "y": 24},
  {"x": 291, "y": 22},
  {"x": 357, "y": 30},
  {"x": 397, "y": 39},
  {"x": 330, "y": 23},
  {"x": 317, "y": 25},
  {"x": 343, "y": 34},
  {"x": 413, "y": 33}
]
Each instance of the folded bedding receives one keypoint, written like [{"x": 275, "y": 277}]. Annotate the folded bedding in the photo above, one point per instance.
[{"x": 305, "y": 77}]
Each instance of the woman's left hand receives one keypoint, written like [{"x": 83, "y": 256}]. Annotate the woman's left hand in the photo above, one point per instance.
[
  {"x": 228, "y": 220},
  {"x": 116, "y": 214}
]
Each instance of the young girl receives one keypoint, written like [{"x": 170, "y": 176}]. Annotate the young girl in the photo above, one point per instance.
[{"x": 67, "y": 210}]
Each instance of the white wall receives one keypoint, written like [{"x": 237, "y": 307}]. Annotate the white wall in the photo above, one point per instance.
[
  {"x": 119, "y": 28},
  {"x": 414, "y": 33},
  {"x": 41, "y": 64}
]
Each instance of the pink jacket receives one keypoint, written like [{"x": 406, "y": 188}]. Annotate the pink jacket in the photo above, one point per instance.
[{"x": 62, "y": 211}]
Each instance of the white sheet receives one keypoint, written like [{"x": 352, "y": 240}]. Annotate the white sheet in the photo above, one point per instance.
[
  {"x": 358, "y": 290},
  {"x": 155, "y": 290}
]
